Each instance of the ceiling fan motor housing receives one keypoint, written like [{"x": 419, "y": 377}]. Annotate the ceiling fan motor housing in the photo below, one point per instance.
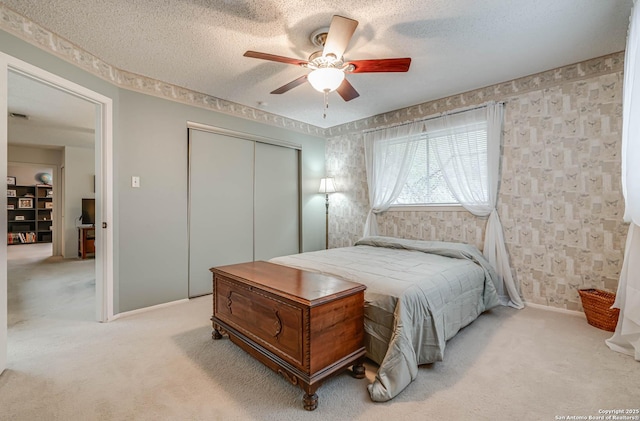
[
  {"x": 319, "y": 36},
  {"x": 319, "y": 61}
]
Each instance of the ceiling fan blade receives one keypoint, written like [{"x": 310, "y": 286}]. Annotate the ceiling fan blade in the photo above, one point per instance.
[
  {"x": 381, "y": 65},
  {"x": 347, "y": 91},
  {"x": 272, "y": 57},
  {"x": 340, "y": 33},
  {"x": 299, "y": 81}
]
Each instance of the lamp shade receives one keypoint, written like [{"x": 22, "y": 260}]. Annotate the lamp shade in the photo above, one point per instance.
[
  {"x": 327, "y": 185},
  {"x": 326, "y": 79}
]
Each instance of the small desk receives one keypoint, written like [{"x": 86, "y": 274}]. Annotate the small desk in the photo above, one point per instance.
[{"x": 86, "y": 241}]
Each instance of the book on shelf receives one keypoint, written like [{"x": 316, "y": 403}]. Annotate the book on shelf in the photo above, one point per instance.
[{"x": 21, "y": 237}]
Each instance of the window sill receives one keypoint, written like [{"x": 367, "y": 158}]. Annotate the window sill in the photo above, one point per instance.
[{"x": 427, "y": 208}]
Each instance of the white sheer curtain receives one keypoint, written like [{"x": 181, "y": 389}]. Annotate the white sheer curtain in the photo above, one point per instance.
[
  {"x": 626, "y": 338},
  {"x": 472, "y": 176},
  {"x": 388, "y": 157}
]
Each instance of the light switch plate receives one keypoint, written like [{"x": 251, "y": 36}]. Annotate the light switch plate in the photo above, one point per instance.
[{"x": 135, "y": 181}]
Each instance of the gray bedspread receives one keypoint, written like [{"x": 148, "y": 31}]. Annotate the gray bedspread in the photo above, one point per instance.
[{"x": 419, "y": 294}]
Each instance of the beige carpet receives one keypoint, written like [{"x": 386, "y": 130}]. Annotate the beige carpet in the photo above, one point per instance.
[
  {"x": 162, "y": 365},
  {"x": 41, "y": 285}
]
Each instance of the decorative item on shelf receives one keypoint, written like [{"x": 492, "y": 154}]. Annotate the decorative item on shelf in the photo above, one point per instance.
[
  {"x": 11, "y": 193},
  {"x": 19, "y": 218},
  {"x": 44, "y": 178},
  {"x": 25, "y": 203},
  {"x": 327, "y": 186},
  {"x": 11, "y": 180},
  {"x": 49, "y": 193},
  {"x": 48, "y": 205},
  {"x": 597, "y": 307},
  {"x": 11, "y": 207}
]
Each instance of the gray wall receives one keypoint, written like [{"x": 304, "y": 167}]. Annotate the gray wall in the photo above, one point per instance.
[
  {"x": 79, "y": 170},
  {"x": 150, "y": 222},
  {"x": 31, "y": 155},
  {"x": 153, "y": 218},
  {"x": 26, "y": 174}
]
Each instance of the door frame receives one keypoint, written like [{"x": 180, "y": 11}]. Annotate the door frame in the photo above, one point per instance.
[{"x": 104, "y": 186}]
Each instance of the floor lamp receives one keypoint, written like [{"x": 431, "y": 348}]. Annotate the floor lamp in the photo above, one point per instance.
[{"x": 327, "y": 186}]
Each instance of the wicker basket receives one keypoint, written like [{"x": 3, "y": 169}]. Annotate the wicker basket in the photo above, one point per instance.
[{"x": 597, "y": 307}]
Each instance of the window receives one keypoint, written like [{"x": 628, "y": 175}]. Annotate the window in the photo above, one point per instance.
[{"x": 426, "y": 184}]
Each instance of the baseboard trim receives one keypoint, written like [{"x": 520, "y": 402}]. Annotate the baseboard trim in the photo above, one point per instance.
[
  {"x": 145, "y": 309},
  {"x": 556, "y": 310}
]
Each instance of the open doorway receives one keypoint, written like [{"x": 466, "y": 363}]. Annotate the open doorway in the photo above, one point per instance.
[
  {"x": 41, "y": 282},
  {"x": 51, "y": 136},
  {"x": 102, "y": 184}
]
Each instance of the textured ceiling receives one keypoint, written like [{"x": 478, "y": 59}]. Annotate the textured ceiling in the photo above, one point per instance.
[{"x": 455, "y": 45}]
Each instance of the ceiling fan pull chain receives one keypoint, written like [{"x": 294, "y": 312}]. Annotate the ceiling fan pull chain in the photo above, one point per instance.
[{"x": 326, "y": 104}]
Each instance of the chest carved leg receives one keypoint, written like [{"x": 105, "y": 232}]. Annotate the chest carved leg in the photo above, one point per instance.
[{"x": 310, "y": 401}]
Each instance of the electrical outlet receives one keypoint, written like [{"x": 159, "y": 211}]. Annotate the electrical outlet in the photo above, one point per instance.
[{"x": 135, "y": 181}]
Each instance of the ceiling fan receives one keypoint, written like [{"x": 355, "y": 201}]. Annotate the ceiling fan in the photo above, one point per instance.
[{"x": 328, "y": 67}]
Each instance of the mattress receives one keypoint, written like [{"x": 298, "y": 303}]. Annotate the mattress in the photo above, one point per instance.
[{"x": 419, "y": 294}]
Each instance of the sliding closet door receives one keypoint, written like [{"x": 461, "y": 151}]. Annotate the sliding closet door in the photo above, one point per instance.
[
  {"x": 220, "y": 205},
  {"x": 277, "y": 211}
]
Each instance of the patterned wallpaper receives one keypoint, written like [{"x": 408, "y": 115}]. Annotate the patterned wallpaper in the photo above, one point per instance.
[{"x": 560, "y": 198}]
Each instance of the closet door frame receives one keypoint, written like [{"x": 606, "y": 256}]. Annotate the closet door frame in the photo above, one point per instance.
[{"x": 250, "y": 137}]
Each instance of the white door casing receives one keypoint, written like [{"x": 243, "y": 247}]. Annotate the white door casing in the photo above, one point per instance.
[{"x": 104, "y": 187}]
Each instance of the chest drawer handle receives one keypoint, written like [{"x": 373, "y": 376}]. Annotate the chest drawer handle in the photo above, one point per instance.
[
  {"x": 277, "y": 324},
  {"x": 229, "y": 302}
]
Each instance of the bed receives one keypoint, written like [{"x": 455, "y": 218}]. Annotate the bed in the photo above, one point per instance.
[{"x": 419, "y": 294}]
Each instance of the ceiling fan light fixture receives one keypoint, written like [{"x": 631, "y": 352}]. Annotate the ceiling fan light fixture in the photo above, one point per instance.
[{"x": 326, "y": 79}]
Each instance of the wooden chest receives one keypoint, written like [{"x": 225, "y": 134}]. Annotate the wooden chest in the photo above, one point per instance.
[{"x": 305, "y": 326}]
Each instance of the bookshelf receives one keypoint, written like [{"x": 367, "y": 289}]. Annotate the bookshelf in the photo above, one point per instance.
[
  {"x": 44, "y": 213},
  {"x": 29, "y": 214}
]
